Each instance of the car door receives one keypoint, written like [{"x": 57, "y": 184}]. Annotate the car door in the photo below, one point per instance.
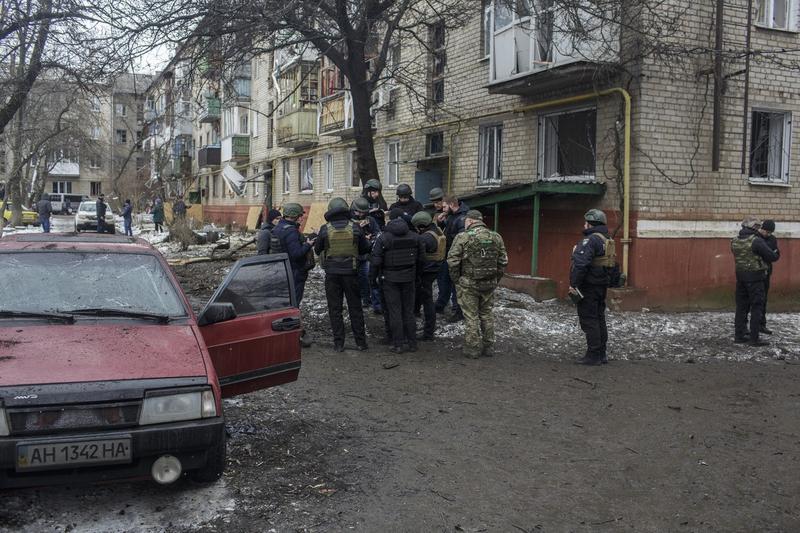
[{"x": 260, "y": 347}]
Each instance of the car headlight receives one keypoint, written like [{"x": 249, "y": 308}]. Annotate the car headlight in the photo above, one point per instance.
[
  {"x": 3, "y": 423},
  {"x": 160, "y": 407}
]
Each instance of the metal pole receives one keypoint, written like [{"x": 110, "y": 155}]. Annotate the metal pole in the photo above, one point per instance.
[
  {"x": 718, "y": 81},
  {"x": 535, "y": 244},
  {"x": 746, "y": 103},
  {"x": 496, "y": 217}
]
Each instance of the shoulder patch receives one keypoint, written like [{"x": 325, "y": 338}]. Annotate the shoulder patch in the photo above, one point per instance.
[{"x": 585, "y": 242}]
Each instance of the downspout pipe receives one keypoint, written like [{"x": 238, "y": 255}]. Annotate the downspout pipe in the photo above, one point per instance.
[
  {"x": 716, "y": 140},
  {"x": 746, "y": 103}
]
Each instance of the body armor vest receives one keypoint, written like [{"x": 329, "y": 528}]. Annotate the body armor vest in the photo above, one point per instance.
[
  {"x": 401, "y": 254},
  {"x": 744, "y": 256},
  {"x": 480, "y": 255},
  {"x": 275, "y": 242},
  {"x": 441, "y": 246},
  {"x": 609, "y": 257},
  {"x": 341, "y": 242}
]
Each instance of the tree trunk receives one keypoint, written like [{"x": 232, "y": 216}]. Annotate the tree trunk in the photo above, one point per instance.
[
  {"x": 15, "y": 180},
  {"x": 361, "y": 95}
]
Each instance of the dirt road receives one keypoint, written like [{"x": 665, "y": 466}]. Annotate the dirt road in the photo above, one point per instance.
[{"x": 682, "y": 432}]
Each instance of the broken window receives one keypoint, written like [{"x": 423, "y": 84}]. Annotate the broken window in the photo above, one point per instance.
[
  {"x": 567, "y": 145},
  {"x": 257, "y": 288},
  {"x": 438, "y": 60},
  {"x": 776, "y": 14},
  {"x": 328, "y": 172},
  {"x": 770, "y": 142},
  {"x": 307, "y": 174},
  {"x": 393, "y": 163},
  {"x": 287, "y": 176},
  {"x": 490, "y": 158},
  {"x": 434, "y": 144}
]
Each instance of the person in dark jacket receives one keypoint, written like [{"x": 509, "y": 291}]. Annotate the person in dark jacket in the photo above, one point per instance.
[
  {"x": 100, "y": 211},
  {"x": 45, "y": 209},
  {"x": 406, "y": 202},
  {"x": 127, "y": 218},
  {"x": 179, "y": 208},
  {"x": 592, "y": 260},
  {"x": 339, "y": 244},
  {"x": 398, "y": 258},
  {"x": 359, "y": 212},
  {"x": 454, "y": 211},
  {"x": 158, "y": 215},
  {"x": 265, "y": 233},
  {"x": 377, "y": 205},
  {"x": 751, "y": 255},
  {"x": 767, "y": 232},
  {"x": 286, "y": 238},
  {"x": 433, "y": 241}
]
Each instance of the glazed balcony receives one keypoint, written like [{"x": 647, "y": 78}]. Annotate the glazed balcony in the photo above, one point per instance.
[
  {"x": 236, "y": 148},
  {"x": 211, "y": 111},
  {"x": 297, "y": 128},
  {"x": 209, "y": 156}
]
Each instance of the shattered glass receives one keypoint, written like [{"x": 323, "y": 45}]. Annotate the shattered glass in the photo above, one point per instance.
[{"x": 258, "y": 288}]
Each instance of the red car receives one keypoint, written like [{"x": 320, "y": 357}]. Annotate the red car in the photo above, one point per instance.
[{"x": 106, "y": 373}]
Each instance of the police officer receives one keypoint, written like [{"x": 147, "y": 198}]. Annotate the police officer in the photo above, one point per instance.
[
  {"x": 377, "y": 205},
  {"x": 397, "y": 259},
  {"x": 593, "y": 258},
  {"x": 406, "y": 202},
  {"x": 265, "y": 233},
  {"x": 767, "y": 232},
  {"x": 433, "y": 241},
  {"x": 339, "y": 244},
  {"x": 359, "y": 211},
  {"x": 751, "y": 255},
  {"x": 476, "y": 261},
  {"x": 286, "y": 238}
]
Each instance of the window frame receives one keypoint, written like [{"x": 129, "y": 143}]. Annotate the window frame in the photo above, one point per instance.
[
  {"x": 786, "y": 147},
  {"x": 542, "y": 146},
  {"x": 120, "y": 110},
  {"x": 390, "y": 163},
  {"x": 124, "y": 136},
  {"x": 308, "y": 163},
  {"x": 95, "y": 188},
  {"x": 328, "y": 170},
  {"x": 766, "y": 20},
  {"x": 484, "y": 132},
  {"x": 287, "y": 176},
  {"x": 352, "y": 169}
]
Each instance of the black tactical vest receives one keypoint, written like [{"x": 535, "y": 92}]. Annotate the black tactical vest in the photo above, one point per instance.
[{"x": 400, "y": 252}]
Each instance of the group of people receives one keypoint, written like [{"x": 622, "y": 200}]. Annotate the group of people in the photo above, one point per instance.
[{"x": 389, "y": 257}]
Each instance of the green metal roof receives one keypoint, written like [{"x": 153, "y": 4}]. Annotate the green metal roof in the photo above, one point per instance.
[{"x": 521, "y": 191}]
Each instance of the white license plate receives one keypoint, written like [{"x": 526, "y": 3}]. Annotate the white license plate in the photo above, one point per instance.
[{"x": 67, "y": 454}]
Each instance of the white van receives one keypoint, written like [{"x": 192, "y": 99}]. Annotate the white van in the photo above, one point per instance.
[{"x": 65, "y": 204}]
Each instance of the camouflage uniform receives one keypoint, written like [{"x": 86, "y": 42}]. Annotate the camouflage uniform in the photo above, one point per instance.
[{"x": 476, "y": 261}]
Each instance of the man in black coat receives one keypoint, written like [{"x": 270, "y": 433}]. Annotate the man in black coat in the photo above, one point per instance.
[
  {"x": 767, "y": 232},
  {"x": 406, "y": 202},
  {"x": 451, "y": 220},
  {"x": 265, "y": 233},
  {"x": 339, "y": 243},
  {"x": 397, "y": 260},
  {"x": 286, "y": 238},
  {"x": 433, "y": 241},
  {"x": 100, "y": 211},
  {"x": 45, "y": 209}
]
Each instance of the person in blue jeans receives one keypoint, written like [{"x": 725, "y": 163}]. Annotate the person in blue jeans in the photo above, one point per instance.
[
  {"x": 370, "y": 296},
  {"x": 452, "y": 223},
  {"x": 45, "y": 209},
  {"x": 127, "y": 215}
]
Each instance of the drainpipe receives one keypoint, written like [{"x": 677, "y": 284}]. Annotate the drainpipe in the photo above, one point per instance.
[
  {"x": 496, "y": 217},
  {"x": 716, "y": 140},
  {"x": 535, "y": 243},
  {"x": 746, "y": 102}
]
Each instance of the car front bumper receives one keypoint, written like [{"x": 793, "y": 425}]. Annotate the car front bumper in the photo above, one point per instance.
[{"x": 192, "y": 442}]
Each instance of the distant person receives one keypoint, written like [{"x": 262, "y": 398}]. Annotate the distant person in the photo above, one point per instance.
[
  {"x": 158, "y": 215},
  {"x": 434, "y": 241},
  {"x": 454, "y": 212},
  {"x": 767, "y": 230},
  {"x": 67, "y": 206},
  {"x": 359, "y": 211},
  {"x": 45, "y": 209},
  {"x": 406, "y": 202},
  {"x": 100, "y": 211},
  {"x": 377, "y": 205},
  {"x": 127, "y": 218},
  {"x": 179, "y": 208},
  {"x": 265, "y": 233}
]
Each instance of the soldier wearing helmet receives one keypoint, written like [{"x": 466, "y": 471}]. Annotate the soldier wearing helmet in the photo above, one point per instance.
[
  {"x": 434, "y": 241},
  {"x": 377, "y": 205},
  {"x": 593, "y": 259},
  {"x": 751, "y": 256},
  {"x": 406, "y": 202},
  {"x": 359, "y": 211},
  {"x": 286, "y": 238}
]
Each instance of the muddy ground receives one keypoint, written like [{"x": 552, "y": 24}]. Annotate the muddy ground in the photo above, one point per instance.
[{"x": 682, "y": 431}]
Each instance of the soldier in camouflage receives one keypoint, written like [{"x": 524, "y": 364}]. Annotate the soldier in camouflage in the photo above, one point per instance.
[
  {"x": 476, "y": 262},
  {"x": 751, "y": 255}
]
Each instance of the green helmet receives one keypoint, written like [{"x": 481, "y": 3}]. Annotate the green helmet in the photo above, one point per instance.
[
  {"x": 436, "y": 194},
  {"x": 374, "y": 185},
  {"x": 337, "y": 203},
  {"x": 403, "y": 190},
  {"x": 421, "y": 218},
  {"x": 293, "y": 210},
  {"x": 595, "y": 215},
  {"x": 360, "y": 204}
]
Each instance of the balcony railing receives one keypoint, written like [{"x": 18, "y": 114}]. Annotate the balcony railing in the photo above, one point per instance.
[
  {"x": 181, "y": 166},
  {"x": 236, "y": 147},
  {"x": 209, "y": 156},
  {"x": 211, "y": 111},
  {"x": 335, "y": 113},
  {"x": 298, "y": 128}
]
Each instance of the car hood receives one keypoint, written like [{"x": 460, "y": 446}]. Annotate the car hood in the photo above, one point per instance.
[{"x": 74, "y": 353}]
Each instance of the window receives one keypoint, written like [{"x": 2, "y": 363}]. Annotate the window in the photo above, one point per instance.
[
  {"x": 392, "y": 162},
  {"x": 270, "y": 123},
  {"x": 287, "y": 176},
  {"x": 567, "y": 145},
  {"x": 307, "y": 174},
  {"x": 490, "y": 155},
  {"x": 438, "y": 59},
  {"x": 95, "y": 188},
  {"x": 121, "y": 110},
  {"x": 434, "y": 143},
  {"x": 64, "y": 187},
  {"x": 776, "y": 14},
  {"x": 328, "y": 172},
  {"x": 258, "y": 287},
  {"x": 94, "y": 161},
  {"x": 95, "y": 103},
  {"x": 244, "y": 122},
  {"x": 355, "y": 180},
  {"x": 486, "y": 30},
  {"x": 255, "y": 182},
  {"x": 95, "y": 132},
  {"x": 215, "y": 186},
  {"x": 770, "y": 142},
  {"x": 255, "y": 123},
  {"x": 121, "y": 136}
]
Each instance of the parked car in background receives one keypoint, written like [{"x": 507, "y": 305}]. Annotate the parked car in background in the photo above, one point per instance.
[
  {"x": 60, "y": 202},
  {"x": 107, "y": 374},
  {"x": 86, "y": 217},
  {"x": 29, "y": 216}
]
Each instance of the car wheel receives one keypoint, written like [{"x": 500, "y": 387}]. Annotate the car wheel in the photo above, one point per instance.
[{"x": 217, "y": 457}]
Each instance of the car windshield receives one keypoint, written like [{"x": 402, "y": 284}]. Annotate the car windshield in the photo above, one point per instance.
[
  {"x": 89, "y": 207},
  {"x": 52, "y": 281}
]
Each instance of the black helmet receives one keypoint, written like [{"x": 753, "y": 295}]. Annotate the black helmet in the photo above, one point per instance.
[
  {"x": 374, "y": 185},
  {"x": 404, "y": 190},
  {"x": 436, "y": 194}
]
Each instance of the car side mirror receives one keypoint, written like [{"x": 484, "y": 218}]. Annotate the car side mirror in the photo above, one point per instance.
[{"x": 216, "y": 312}]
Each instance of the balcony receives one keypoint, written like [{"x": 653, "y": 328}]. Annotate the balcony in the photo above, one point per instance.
[
  {"x": 181, "y": 166},
  {"x": 209, "y": 156},
  {"x": 297, "y": 129},
  {"x": 236, "y": 148},
  {"x": 181, "y": 126},
  {"x": 65, "y": 168},
  {"x": 336, "y": 114},
  {"x": 211, "y": 111},
  {"x": 241, "y": 89}
]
